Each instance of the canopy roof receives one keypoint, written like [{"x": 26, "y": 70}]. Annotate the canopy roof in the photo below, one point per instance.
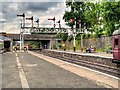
[
  {"x": 3, "y": 38},
  {"x": 117, "y": 32}
]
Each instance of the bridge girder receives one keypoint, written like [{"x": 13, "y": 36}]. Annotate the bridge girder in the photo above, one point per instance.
[
  {"x": 34, "y": 37},
  {"x": 50, "y": 30}
]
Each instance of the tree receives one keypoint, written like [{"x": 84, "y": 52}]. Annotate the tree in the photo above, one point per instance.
[
  {"x": 98, "y": 17},
  {"x": 76, "y": 12},
  {"x": 111, "y": 16},
  {"x": 62, "y": 36},
  {"x": 83, "y": 12}
]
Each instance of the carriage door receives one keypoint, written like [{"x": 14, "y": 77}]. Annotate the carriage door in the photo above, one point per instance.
[
  {"x": 119, "y": 48},
  {"x": 115, "y": 48}
]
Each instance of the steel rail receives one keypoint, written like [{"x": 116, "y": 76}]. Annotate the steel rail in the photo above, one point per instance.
[{"x": 92, "y": 65}]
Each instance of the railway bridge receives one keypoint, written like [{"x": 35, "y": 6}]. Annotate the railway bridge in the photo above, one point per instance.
[
  {"x": 43, "y": 39},
  {"x": 46, "y": 36}
]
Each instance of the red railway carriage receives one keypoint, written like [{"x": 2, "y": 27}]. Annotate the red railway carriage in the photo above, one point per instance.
[{"x": 116, "y": 45}]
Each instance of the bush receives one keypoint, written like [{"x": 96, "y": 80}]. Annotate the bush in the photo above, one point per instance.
[
  {"x": 54, "y": 47},
  {"x": 101, "y": 50},
  {"x": 109, "y": 47},
  {"x": 86, "y": 36},
  {"x": 60, "y": 46},
  {"x": 70, "y": 38}
]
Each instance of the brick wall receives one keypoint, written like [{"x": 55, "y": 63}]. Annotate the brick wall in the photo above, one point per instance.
[{"x": 102, "y": 42}]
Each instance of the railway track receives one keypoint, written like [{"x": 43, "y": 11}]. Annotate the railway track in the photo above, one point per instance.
[{"x": 114, "y": 71}]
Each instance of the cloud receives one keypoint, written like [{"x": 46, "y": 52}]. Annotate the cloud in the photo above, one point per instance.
[
  {"x": 2, "y": 20},
  {"x": 11, "y": 9},
  {"x": 37, "y": 6},
  {"x": 34, "y": 1},
  {"x": 39, "y": 10}
]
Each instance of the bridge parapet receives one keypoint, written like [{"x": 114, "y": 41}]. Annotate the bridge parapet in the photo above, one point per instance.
[
  {"x": 48, "y": 30},
  {"x": 33, "y": 36},
  {"x": 51, "y": 30}
]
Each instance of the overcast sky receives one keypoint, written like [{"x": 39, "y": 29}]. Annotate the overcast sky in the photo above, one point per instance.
[{"x": 39, "y": 9}]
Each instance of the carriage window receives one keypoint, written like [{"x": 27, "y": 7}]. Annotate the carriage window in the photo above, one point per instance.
[{"x": 116, "y": 43}]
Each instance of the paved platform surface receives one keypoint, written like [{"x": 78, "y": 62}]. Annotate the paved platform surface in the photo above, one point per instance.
[
  {"x": 101, "y": 54},
  {"x": 104, "y": 54},
  {"x": 23, "y": 70},
  {"x": 98, "y": 77}
]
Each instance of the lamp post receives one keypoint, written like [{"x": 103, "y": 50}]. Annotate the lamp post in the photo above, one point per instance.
[
  {"x": 74, "y": 33},
  {"x": 21, "y": 32},
  {"x": 74, "y": 36},
  {"x": 74, "y": 44},
  {"x": 81, "y": 32},
  {"x": 21, "y": 36}
]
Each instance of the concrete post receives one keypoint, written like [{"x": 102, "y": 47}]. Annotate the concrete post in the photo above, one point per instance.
[{"x": 74, "y": 44}]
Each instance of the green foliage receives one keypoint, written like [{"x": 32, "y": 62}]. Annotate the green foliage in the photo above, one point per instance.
[
  {"x": 59, "y": 45},
  {"x": 34, "y": 44},
  {"x": 111, "y": 16},
  {"x": 102, "y": 18},
  {"x": 99, "y": 19},
  {"x": 58, "y": 35},
  {"x": 54, "y": 47},
  {"x": 101, "y": 50},
  {"x": 67, "y": 17},
  {"x": 62, "y": 36},
  {"x": 86, "y": 36},
  {"x": 70, "y": 38},
  {"x": 109, "y": 47},
  {"x": 78, "y": 36}
]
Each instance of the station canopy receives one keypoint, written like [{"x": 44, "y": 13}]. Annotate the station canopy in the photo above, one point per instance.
[
  {"x": 117, "y": 32},
  {"x": 3, "y": 38}
]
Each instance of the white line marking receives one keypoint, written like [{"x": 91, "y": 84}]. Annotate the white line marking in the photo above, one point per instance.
[
  {"x": 31, "y": 65},
  {"x": 88, "y": 69},
  {"x": 96, "y": 76},
  {"x": 21, "y": 73},
  {"x": 16, "y": 54},
  {"x": 93, "y": 70}
]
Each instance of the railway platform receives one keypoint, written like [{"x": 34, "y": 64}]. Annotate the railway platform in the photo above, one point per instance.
[
  {"x": 96, "y": 76},
  {"x": 104, "y": 54},
  {"x": 31, "y": 70}
]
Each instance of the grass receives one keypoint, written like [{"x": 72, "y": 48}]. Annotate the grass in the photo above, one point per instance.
[{"x": 101, "y": 50}]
